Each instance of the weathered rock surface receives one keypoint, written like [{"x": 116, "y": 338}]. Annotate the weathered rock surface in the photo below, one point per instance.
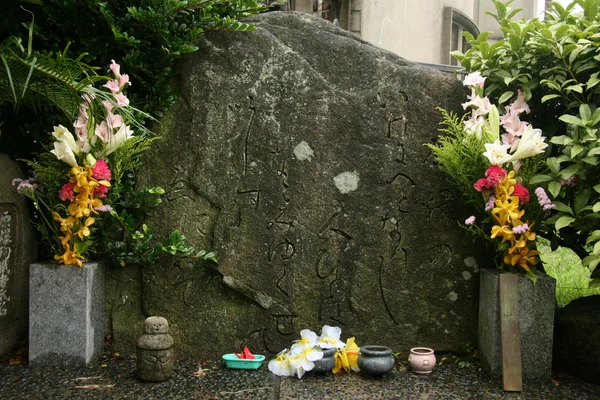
[
  {"x": 296, "y": 152},
  {"x": 17, "y": 250}
]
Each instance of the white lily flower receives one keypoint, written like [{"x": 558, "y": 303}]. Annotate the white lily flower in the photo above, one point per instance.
[
  {"x": 330, "y": 338},
  {"x": 280, "y": 365},
  {"x": 303, "y": 361},
  {"x": 497, "y": 153},
  {"x": 474, "y": 79},
  {"x": 531, "y": 143},
  {"x": 62, "y": 134},
  {"x": 474, "y": 126},
  {"x": 63, "y": 152},
  {"x": 308, "y": 340},
  {"x": 123, "y": 134}
]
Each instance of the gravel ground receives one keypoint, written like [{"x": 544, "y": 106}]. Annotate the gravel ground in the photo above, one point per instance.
[{"x": 114, "y": 378}]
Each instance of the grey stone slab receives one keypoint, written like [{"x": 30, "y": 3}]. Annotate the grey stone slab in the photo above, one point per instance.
[
  {"x": 17, "y": 250},
  {"x": 536, "y": 318},
  {"x": 66, "y": 313}
]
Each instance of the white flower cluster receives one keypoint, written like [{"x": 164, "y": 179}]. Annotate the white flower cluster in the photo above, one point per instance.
[
  {"x": 519, "y": 141},
  {"x": 302, "y": 354}
]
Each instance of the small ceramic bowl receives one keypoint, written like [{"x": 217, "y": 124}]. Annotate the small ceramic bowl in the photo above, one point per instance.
[{"x": 231, "y": 361}]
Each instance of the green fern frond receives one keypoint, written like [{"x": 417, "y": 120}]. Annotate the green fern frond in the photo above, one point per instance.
[{"x": 460, "y": 156}]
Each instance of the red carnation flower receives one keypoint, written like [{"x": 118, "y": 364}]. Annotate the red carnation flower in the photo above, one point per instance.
[
  {"x": 100, "y": 171},
  {"x": 522, "y": 193},
  {"x": 495, "y": 175},
  {"x": 66, "y": 192}
]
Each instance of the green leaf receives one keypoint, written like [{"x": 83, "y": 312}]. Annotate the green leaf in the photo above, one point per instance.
[
  {"x": 549, "y": 97},
  {"x": 576, "y": 150},
  {"x": 505, "y": 96},
  {"x": 563, "y": 222},
  {"x": 585, "y": 113},
  {"x": 581, "y": 200},
  {"x": 594, "y": 151},
  {"x": 554, "y": 188},
  {"x": 562, "y": 207},
  {"x": 569, "y": 171},
  {"x": 540, "y": 179},
  {"x": 571, "y": 119}
]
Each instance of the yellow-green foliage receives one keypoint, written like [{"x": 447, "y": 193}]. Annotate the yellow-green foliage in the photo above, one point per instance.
[
  {"x": 460, "y": 155},
  {"x": 572, "y": 278}
]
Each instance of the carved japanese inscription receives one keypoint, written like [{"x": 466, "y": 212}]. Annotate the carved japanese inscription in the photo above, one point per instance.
[{"x": 7, "y": 245}]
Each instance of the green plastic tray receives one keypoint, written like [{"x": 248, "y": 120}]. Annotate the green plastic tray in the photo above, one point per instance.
[{"x": 231, "y": 361}]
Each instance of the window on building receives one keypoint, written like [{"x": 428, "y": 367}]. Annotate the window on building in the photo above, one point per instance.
[{"x": 455, "y": 23}]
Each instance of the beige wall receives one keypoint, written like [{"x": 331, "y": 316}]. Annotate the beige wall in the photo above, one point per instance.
[
  {"x": 410, "y": 28},
  {"x": 413, "y": 28}
]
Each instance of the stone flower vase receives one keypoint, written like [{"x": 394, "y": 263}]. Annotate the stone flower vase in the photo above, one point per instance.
[
  {"x": 375, "y": 360},
  {"x": 66, "y": 313},
  {"x": 326, "y": 363},
  {"x": 536, "y": 324},
  {"x": 422, "y": 360}
]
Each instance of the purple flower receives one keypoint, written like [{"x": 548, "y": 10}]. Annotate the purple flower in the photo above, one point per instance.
[
  {"x": 470, "y": 221},
  {"x": 542, "y": 197},
  {"x": 490, "y": 203},
  {"x": 25, "y": 187},
  {"x": 104, "y": 208},
  {"x": 520, "y": 229}
]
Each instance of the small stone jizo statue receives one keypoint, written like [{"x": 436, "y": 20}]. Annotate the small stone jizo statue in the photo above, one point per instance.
[{"x": 155, "y": 356}]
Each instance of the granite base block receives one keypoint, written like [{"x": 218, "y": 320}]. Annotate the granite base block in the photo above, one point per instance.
[
  {"x": 536, "y": 318},
  {"x": 66, "y": 313}
]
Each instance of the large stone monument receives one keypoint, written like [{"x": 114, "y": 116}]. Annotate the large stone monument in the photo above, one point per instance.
[
  {"x": 17, "y": 250},
  {"x": 297, "y": 152}
]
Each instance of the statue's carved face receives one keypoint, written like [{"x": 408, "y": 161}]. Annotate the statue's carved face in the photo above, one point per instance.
[{"x": 156, "y": 325}]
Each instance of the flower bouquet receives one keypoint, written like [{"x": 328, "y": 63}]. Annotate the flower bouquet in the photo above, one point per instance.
[
  {"x": 89, "y": 174},
  {"x": 302, "y": 355},
  {"x": 491, "y": 169}
]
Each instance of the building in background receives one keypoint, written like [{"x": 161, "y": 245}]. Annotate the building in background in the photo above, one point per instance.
[{"x": 424, "y": 31}]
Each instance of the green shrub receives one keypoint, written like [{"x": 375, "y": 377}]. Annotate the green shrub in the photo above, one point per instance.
[{"x": 556, "y": 63}]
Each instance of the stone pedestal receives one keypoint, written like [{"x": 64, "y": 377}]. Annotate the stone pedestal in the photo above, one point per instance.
[
  {"x": 17, "y": 250},
  {"x": 536, "y": 318},
  {"x": 66, "y": 313}
]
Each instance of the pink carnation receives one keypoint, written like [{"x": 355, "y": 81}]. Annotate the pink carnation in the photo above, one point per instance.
[
  {"x": 522, "y": 193},
  {"x": 66, "y": 192},
  {"x": 482, "y": 184},
  {"x": 470, "y": 220},
  {"x": 101, "y": 171},
  {"x": 101, "y": 191},
  {"x": 495, "y": 175}
]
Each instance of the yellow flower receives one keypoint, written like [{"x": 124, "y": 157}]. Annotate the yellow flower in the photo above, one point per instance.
[
  {"x": 341, "y": 360},
  {"x": 524, "y": 258},
  {"x": 504, "y": 231},
  {"x": 351, "y": 350},
  {"x": 347, "y": 358},
  {"x": 69, "y": 257},
  {"x": 84, "y": 229}
]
